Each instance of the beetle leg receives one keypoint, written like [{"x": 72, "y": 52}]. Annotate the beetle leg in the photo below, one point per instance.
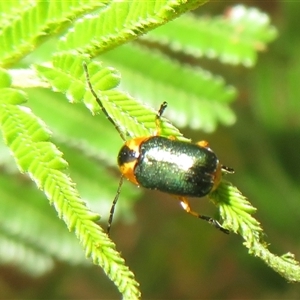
[
  {"x": 202, "y": 144},
  {"x": 186, "y": 206}
]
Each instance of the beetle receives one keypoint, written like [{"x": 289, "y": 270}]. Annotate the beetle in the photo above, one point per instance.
[{"x": 178, "y": 168}]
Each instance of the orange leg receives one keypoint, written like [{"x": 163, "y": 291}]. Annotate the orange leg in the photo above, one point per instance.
[{"x": 186, "y": 206}]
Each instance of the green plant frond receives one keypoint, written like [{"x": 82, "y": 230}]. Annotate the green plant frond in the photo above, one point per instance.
[
  {"x": 64, "y": 75},
  {"x": 98, "y": 185},
  {"x": 14, "y": 251},
  {"x": 236, "y": 211},
  {"x": 22, "y": 207},
  {"x": 122, "y": 21},
  {"x": 31, "y": 23},
  {"x": 27, "y": 139},
  {"x": 10, "y": 11},
  {"x": 72, "y": 124},
  {"x": 202, "y": 97},
  {"x": 131, "y": 117},
  {"x": 234, "y": 38}
]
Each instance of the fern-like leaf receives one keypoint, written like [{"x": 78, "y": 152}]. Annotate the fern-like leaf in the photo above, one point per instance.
[
  {"x": 234, "y": 208},
  {"x": 236, "y": 211},
  {"x": 27, "y": 25},
  {"x": 93, "y": 135},
  {"x": 234, "y": 38},
  {"x": 121, "y": 22},
  {"x": 27, "y": 138},
  {"x": 67, "y": 76},
  {"x": 22, "y": 207},
  {"x": 202, "y": 97}
]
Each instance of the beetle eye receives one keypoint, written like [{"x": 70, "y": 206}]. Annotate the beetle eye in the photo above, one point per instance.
[{"x": 126, "y": 155}]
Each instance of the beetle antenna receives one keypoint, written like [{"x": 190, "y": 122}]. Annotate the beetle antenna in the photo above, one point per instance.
[
  {"x": 112, "y": 209},
  {"x": 161, "y": 109},
  {"x": 87, "y": 75},
  {"x": 158, "y": 117},
  {"x": 227, "y": 169}
]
